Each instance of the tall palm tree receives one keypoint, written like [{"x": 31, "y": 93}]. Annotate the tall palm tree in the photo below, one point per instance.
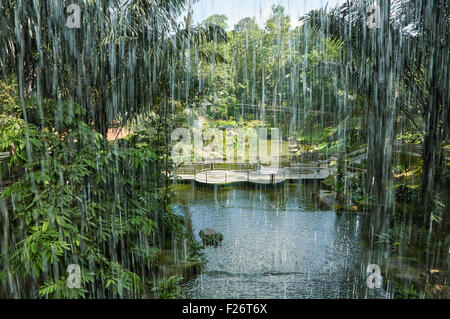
[
  {"x": 118, "y": 63},
  {"x": 413, "y": 36},
  {"x": 367, "y": 58}
]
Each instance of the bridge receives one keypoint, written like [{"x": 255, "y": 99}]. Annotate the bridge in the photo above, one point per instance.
[
  {"x": 225, "y": 173},
  {"x": 221, "y": 172},
  {"x": 270, "y": 107}
]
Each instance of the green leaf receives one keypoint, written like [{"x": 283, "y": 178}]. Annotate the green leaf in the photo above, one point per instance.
[{"x": 33, "y": 247}]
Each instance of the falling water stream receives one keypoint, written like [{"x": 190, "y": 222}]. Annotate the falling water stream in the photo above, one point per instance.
[
  {"x": 330, "y": 81},
  {"x": 275, "y": 245}
]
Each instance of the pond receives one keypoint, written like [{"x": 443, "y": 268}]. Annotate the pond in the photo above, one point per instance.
[{"x": 276, "y": 244}]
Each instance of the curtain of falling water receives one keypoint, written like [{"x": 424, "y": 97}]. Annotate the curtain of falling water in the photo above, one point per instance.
[{"x": 122, "y": 60}]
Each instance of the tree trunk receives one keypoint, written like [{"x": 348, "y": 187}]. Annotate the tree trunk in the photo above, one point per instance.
[
  {"x": 380, "y": 125},
  {"x": 437, "y": 84},
  {"x": 431, "y": 148}
]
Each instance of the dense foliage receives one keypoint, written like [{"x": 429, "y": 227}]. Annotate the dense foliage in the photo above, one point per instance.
[
  {"x": 87, "y": 201},
  {"x": 71, "y": 196}
]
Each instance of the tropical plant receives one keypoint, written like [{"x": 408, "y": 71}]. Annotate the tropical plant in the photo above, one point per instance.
[
  {"x": 84, "y": 201},
  {"x": 146, "y": 30},
  {"x": 369, "y": 57},
  {"x": 169, "y": 288}
]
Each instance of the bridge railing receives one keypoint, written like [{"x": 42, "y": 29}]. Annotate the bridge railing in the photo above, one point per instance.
[
  {"x": 236, "y": 167},
  {"x": 184, "y": 171},
  {"x": 305, "y": 169},
  {"x": 194, "y": 168},
  {"x": 218, "y": 177},
  {"x": 255, "y": 176},
  {"x": 356, "y": 153},
  {"x": 267, "y": 177}
]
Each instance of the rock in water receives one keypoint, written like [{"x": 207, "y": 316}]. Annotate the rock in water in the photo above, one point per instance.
[
  {"x": 327, "y": 199},
  {"x": 210, "y": 237}
]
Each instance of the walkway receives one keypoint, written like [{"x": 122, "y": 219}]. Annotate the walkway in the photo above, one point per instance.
[{"x": 224, "y": 173}]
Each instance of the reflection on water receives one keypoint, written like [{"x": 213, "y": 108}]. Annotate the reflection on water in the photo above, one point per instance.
[{"x": 274, "y": 245}]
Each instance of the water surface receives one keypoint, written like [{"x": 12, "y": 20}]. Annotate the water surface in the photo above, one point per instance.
[{"x": 276, "y": 244}]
